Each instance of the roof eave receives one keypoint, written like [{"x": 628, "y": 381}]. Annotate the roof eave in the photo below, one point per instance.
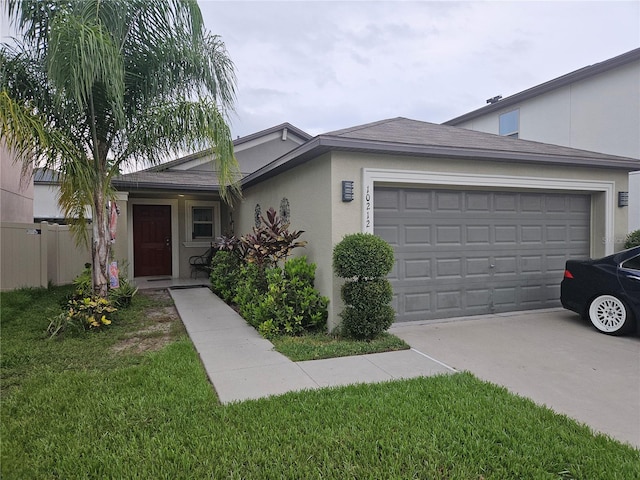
[
  {"x": 158, "y": 186},
  {"x": 322, "y": 144}
]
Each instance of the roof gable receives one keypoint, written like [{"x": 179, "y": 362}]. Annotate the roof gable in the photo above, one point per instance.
[{"x": 286, "y": 136}]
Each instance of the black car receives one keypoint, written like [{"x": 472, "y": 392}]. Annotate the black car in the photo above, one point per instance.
[{"x": 606, "y": 291}]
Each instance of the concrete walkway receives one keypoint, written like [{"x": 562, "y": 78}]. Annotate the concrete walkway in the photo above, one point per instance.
[{"x": 242, "y": 365}]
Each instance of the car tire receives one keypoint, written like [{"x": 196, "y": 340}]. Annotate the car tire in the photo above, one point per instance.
[{"x": 608, "y": 314}]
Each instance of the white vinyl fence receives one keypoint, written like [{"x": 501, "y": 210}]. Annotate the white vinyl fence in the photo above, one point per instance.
[{"x": 34, "y": 254}]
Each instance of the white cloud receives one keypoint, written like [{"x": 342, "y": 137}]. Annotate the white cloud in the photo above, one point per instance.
[{"x": 329, "y": 65}]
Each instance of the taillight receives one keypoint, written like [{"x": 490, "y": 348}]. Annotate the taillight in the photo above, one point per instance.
[{"x": 567, "y": 274}]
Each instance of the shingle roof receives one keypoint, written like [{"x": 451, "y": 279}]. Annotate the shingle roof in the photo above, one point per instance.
[
  {"x": 412, "y": 137},
  {"x": 412, "y": 132},
  {"x": 178, "y": 180}
]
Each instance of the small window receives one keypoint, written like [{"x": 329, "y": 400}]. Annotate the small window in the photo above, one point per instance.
[
  {"x": 510, "y": 124},
  {"x": 202, "y": 222}
]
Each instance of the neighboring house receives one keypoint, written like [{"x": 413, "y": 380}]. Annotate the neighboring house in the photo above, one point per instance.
[
  {"x": 595, "y": 108},
  {"x": 16, "y": 191},
  {"x": 45, "y": 199},
  {"x": 479, "y": 223}
]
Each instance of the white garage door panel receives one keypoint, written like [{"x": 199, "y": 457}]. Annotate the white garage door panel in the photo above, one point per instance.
[{"x": 468, "y": 253}]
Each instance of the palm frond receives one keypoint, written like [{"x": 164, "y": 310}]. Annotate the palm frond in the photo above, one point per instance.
[
  {"x": 184, "y": 126},
  {"x": 29, "y": 136}
]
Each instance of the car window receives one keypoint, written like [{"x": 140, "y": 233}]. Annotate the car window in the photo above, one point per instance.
[{"x": 632, "y": 263}]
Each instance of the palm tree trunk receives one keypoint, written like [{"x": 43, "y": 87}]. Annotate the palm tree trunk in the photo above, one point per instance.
[{"x": 100, "y": 245}]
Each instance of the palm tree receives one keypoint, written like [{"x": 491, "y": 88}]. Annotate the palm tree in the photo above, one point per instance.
[{"x": 95, "y": 85}]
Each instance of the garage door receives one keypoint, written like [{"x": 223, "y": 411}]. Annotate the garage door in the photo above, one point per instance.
[{"x": 475, "y": 252}]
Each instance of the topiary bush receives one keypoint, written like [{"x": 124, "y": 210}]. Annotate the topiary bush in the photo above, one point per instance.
[
  {"x": 362, "y": 255},
  {"x": 633, "y": 239},
  {"x": 364, "y": 260}
]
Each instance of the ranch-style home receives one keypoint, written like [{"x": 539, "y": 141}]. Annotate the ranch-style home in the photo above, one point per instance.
[
  {"x": 482, "y": 211},
  {"x": 479, "y": 222}
]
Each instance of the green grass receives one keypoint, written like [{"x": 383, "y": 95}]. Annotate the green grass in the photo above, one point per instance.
[
  {"x": 76, "y": 408},
  {"x": 320, "y": 345}
]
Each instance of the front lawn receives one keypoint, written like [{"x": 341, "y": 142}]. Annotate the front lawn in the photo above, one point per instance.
[{"x": 134, "y": 402}]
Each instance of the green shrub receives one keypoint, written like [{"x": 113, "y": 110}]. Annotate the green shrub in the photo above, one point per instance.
[
  {"x": 225, "y": 270},
  {"x": 366, "y": 293},
  {"x": 286, "y": 303},
  {"x": 364, "y": 260},
  {"x": 83, "y": 284},
  {"x": 252, "y": 284},
  {"x": 633, "y": 239},
  {"x": 362, "y": 255},
  {"x": 121, "y": 297},
  {"x": 367, "y": 324},
  {"x": 300, "y": 269}
]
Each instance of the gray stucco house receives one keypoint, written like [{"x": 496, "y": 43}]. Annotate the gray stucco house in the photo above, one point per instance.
[{"x": 479, "y": 222}]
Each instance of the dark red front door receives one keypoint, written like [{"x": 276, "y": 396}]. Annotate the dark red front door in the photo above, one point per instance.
[{"x": 151, "y": 240}]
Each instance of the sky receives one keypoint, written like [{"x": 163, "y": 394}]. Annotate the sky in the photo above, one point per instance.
[
  {"x": 328, "y": 65},
  {"x": 323, "y": 66}
]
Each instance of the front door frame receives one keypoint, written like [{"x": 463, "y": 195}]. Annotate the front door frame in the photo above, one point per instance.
[{"x": 175, "y": 239}]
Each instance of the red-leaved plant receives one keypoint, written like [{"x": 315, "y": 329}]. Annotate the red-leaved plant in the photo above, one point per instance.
[{"x": 271, "y": 241}]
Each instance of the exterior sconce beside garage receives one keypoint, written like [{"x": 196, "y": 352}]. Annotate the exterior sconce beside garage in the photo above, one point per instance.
[
  {"x": 347, "y": 190},
  {"x": 623, "y": 199}
]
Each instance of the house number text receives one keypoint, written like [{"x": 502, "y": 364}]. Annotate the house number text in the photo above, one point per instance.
[{"x": 367, "y": 199}]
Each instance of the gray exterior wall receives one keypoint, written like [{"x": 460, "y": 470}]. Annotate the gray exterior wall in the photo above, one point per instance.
[{"x": 314, "y": 192}]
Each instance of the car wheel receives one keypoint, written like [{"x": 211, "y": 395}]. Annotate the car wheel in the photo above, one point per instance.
[{"x": 610, "y": 315}]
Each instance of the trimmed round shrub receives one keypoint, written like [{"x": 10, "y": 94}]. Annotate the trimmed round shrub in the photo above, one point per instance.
[
  {"x": 633, "y": 239},
  {"x": 367, "y": 324},
  {"x": 362, "y": 255},
  {"x": 365, "y": 260},
  {"x": 365, "y": 293}
]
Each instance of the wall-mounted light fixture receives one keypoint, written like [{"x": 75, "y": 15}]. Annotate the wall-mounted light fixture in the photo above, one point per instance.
[
  {"x": 347, "y": 190},
  {"x": 623, "y": 199}
]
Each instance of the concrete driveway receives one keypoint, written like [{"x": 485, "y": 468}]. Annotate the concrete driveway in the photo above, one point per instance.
[{"x": 550, "y": 356}]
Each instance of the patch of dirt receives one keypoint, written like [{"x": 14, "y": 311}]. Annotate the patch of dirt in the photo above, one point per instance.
[{"x": 159, "y": 326}]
